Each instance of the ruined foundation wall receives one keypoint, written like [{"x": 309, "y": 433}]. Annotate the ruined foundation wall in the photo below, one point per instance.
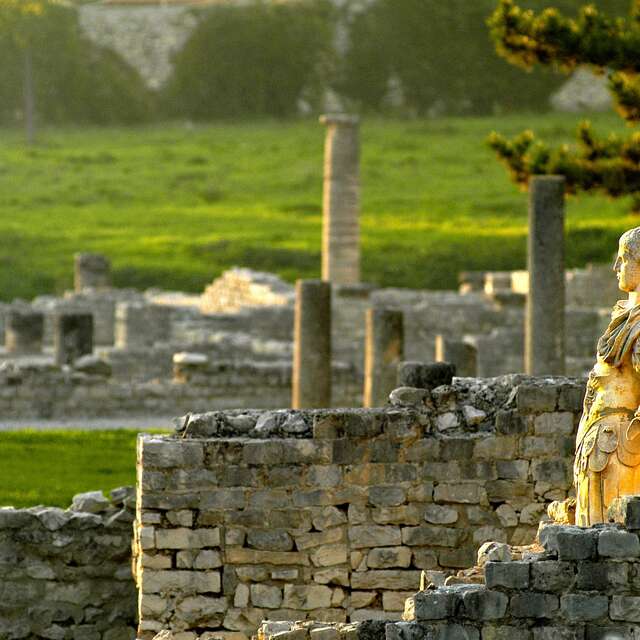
[
  {"x": 67, "y": 574},
  {"x": 332, "y": 515},
  {"x": 47, "y": 391}
]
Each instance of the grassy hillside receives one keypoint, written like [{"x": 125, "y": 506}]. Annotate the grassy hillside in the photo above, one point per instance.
[
  {"x": 174, "y": 205},
  {"x": 50, "y": 467}
]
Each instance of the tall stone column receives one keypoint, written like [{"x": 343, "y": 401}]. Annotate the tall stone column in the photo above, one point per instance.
[
  {"x": 312, "y": 345},
  {"x": 72, "y": 337},
  {"x": 24, "y": 331},
  {"x": 544, "y": 329},
  {"x": 459, "y": 353},
  {"x": 384, "y": 351},
  {"x": 341, "y": 200},
  {"x": 91, "y": 271}
]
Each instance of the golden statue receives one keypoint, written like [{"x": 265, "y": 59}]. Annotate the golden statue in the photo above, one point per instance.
[{"x": 607, "y": 463}]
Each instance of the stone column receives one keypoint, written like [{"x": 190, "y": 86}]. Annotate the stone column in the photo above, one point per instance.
[
  {"x": 544, "y": 328},
  {"x": 91, "y": 271},
  {"x": 384, "y": 349},
  {"x": 459, "y": 353},
  {"x": 341, "y": 200},
  {"x": 312, "y": 345},
  {"x": 139, "y": 325},
  {"x": 72, "y": 336},
  {"x": 24, "y": 331}
]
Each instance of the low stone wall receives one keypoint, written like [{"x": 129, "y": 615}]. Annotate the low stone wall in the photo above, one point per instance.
[
  {"x": 67, "y": 574},
  {"x": 332, "y": 515},
  {"x": 42, "y": 391}
]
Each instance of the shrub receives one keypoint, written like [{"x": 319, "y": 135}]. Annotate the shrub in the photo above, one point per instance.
[
  {"x": 75, "y": 81},
  {"x": 257, "y": 59}
]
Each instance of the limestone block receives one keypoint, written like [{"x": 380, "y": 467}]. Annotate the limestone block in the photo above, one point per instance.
[
  {"x": 394, "y": 600},
  {"x": 389, "y": 557},
  {"x": 306, "y": 597},
  {"x": 208, "y": 559},
  {"x": 400, "y": 580},
  {"x": 534, "y": 605},
  {"x": 480, "y": 603},
  {"x": 156, "y": 561},
  {"x": 613, "y": 543},
  {"x": 602, "y": 576},
  {"x": 578, "y": 607},
  {"x": 495, "y": 448},
  {"x": 406, "y": 514},
  {"x": 461, "y": 493},
  {"x": 180, "y": 518},
  {"x": 510, "y": 575},
  {"x": 266, "y": 596},
  {"x": 440, "y": 514},
  {"x": 201, "y": 611},
  {"x": 556, "y": 423},
  {"x": 493, "y": 552},
  {"x": 90, "y": 502},
  {"x": 432, "y": 605},
  {"x": 324, "y": 633},
  {"x": 431, "y": 536},
  {"x": 552, "y": 575},
  {"x": 512, "y": 469},
  {"x": 363, "y": 599},
  {"x": 531, "y": 398},
  {"x": 153, "y": 605},
  {"x": 310, "y": 540},
  {"x": 507, "y": 515},
  {"x": 270, "y": 539},
  {"x": 329, "y": 555},
  {"x": 327, "y": 517},
  {"x": 235, "y": 555},
  {"x": 181, "y": 581},
  {"x": 568, "y": 542},
  {"x": 625, "y": 608},
  {"x": 163, "y": 453},
  {"x": 387, "y": 496},
  {"x": 184, "y": 560},
  {"x": 333, "y": 575},
  {"x": 374, "y": 536}
]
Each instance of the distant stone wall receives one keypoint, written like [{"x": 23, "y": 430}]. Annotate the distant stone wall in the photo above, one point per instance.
[
  {"x": 47, "y": 391},
  {"x": 67, "y": 574},
  {"x": 332, "y": 515}
]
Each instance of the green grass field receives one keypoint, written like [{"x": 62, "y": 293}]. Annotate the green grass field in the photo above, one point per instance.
[
  {"x": 174, "y": 205},
  {"x": 50, "y": 467}
]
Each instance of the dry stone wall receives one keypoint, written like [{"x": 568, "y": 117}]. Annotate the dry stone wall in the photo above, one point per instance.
[
  {"x": 333, "y": 514},
  {"x": 67, "y": 574}
]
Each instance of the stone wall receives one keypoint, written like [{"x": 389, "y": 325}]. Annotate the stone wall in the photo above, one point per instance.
[
  {"x": 67, "y": 574},
  {"x": 332, "y": 515},
  {"x": 43, "y": 391}
]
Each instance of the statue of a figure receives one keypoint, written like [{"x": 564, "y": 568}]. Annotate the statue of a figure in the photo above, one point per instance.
[{"x": 607, "y": 463}]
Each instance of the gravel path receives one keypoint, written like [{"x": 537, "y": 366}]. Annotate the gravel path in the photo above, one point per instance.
[{"x": 90, "y": 424}]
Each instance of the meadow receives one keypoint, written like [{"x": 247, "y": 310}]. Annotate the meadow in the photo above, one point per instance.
[
  {"x": 174, "y": 205},
  {"x": 50, "y": 467}
]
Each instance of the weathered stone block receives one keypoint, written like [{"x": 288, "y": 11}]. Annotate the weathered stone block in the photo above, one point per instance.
[
  {"x": 431, "y": 536},
  {"x": 578, "y": 607},
  {"x": 613, "y": 543},
  {"x": 306, "y": 597},
  {"x": 374, "y": 536},
  {"x": 510, "y": 575},
  {"x": 270, "y": 539},
  {"x": 479, "y": 603},
  {"x": 625, "y": 608},
  {"x": 440, "y": 514},
  {"x": 461, "y": 493},
  {"x": 266, "y": 596},
  {"x": 387, "y": 496},
  {"x": 397, "y": 580},
  {"x": 329, "y": 555},
  {"x": 164, "y": 453},
  {"x": 389, "y": 557},
  {"x": 439, "y": 604},
  {"x": 536, "y": 399},
  {"x": 534, "y": 605},
  {"x": 626, "y": 511},
  {"x": 552, "y": 575},
  {"x": 602, "y": 576}
]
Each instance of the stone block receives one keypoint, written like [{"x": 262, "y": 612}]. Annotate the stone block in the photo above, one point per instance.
[
  {"x": 578, "y": 607},
  {"x": 306, "y": 597},
  {"x": 613, "y": 543},
  {"x": 310, "y": 540},
  {"x": 332, "y": 575},
  {"x": 626, "y": 608},
  {"x": 552, "y": 575},
  {"x": 396, "y": 580},
  {"x": 568, "y": 542},
  {"x": 507, "y": 515},
  {"x": 495, "y": 448},
  {"x": 509, "y": 423},
  {"x": 425, "y": 375},
  {"x": 440, "y": 514},
  {"x": 207, "y": 559},
  {"x": 431, "y": 536},
  {"x": 532, "y": 398},
  {"x": 389, "y": 557},
  {"x": 405, "y": 515},
  {"x": 164, "y": 453},
  {"x": 626, "y": 511},
  {"x": 235, "y": 555},
  {"x": 270, "y": 539},
  {"x": 266, "y": 596},
  {"x": 329, "y": 555},
  {"x": 510, "y": 575},
  {"x": 460, "y": 493},
  {"x": 374, "y": 536},
  {"x": 602, "y": 576},
  {"x": 556, "y": 423},
  {"x": 480, "y": 603},
  {"x": 534, "y": 605},
  {"x": 327, "y": 517},
  {"x": 438, "y": 604},
  {"x": 559, "y": 632},
  {"x": 387, "y": 496},
  {"x": 512, "y": 469},
  {"x": 505, "y": 632}
]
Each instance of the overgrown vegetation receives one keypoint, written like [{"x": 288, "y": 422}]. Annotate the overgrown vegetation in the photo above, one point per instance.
[
  {"x": 607, "y": 164},
  {"x": 173, "y": 206},
  {"x": 262, "y": 58}
]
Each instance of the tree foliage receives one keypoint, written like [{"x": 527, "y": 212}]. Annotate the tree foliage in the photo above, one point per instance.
[{"x": 608, "y": 45}]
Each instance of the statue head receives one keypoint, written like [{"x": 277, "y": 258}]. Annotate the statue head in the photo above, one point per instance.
[{"x": 627, "y": 264}]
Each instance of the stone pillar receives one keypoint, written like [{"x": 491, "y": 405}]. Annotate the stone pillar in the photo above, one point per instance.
[
  {"x": 91, "y": 271},
  {"x": 312, "y": 345},
  {"x": 544, "y": 328},
  {"x": 72, "y": 337},
  {"x": 139, "y": 325},
  {"x": 383, "y": 353},
  {"x": 24, "y": 331},
  {"x": 459, "y": 353},
  {"x": 341, "y": 201}
]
